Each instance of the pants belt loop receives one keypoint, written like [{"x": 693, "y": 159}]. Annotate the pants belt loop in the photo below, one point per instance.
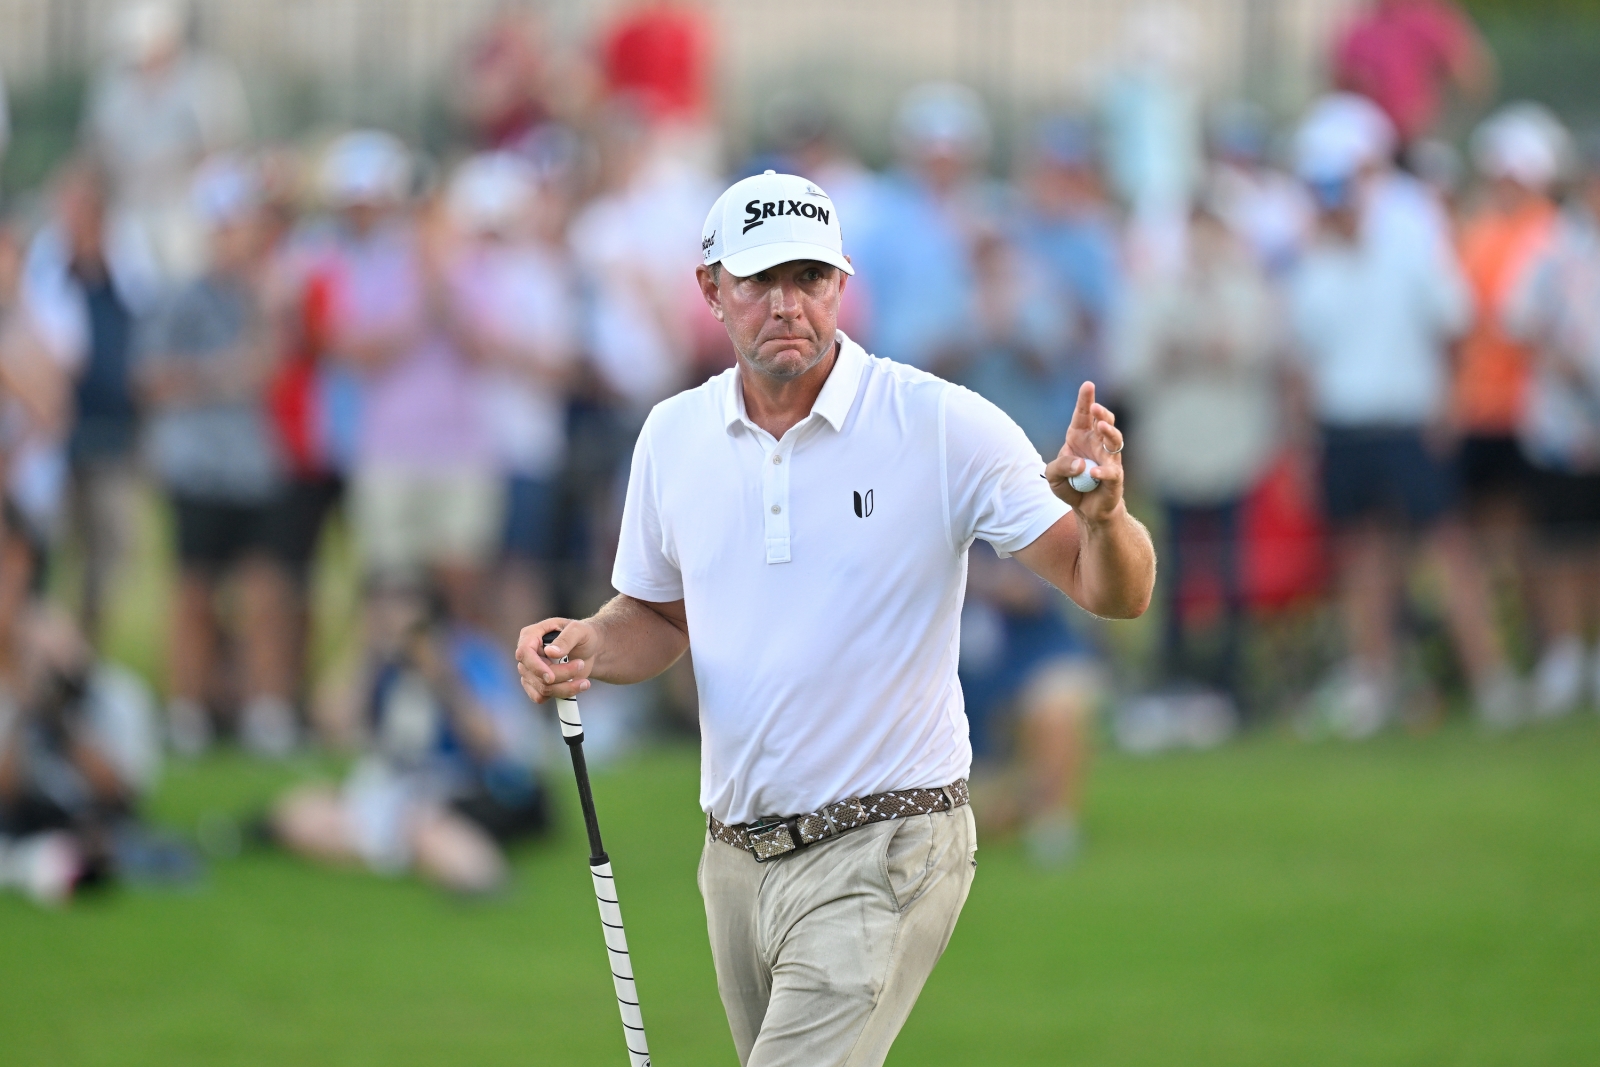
[{"x": 949, "y": 798}]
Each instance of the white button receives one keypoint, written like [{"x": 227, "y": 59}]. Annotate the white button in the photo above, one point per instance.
[
  {"x": 777, "y": 459},
  {"x": 776, "y": 509}
]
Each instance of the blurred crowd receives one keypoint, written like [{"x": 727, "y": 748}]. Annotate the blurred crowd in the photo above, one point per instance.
[{"x": 1359, "y": 368}]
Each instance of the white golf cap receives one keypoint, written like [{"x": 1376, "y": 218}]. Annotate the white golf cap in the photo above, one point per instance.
[
  {"x": 1340, "y": 134},
  {"x": 769, "y": 219}
]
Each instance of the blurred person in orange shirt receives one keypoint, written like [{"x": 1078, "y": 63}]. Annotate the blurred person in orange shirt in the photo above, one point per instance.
[
  {"x": 1519, "y": 151},
  {"x": 1555, "y": 310},
  {"x": 1404, "y": 54}
]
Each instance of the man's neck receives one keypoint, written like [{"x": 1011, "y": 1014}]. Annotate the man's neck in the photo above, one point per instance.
[{"x": 777, "y": 404}]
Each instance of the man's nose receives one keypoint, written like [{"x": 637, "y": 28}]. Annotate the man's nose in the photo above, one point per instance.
[{"x": 786, "y": 301}]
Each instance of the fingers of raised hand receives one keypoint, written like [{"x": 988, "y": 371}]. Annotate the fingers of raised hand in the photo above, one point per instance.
[
  {"x": 1110, "y": 437},
  {"x": 1082, "y": 417}
]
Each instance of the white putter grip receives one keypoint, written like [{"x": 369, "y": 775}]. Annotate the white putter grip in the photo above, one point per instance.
[{"x": 605, "y": 892}]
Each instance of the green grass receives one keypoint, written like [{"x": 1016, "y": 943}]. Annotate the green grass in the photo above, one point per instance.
[{"x": 1409, "y": 901}]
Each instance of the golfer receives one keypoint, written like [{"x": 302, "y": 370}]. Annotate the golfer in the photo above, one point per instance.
[{"x": 802, "y": 522}]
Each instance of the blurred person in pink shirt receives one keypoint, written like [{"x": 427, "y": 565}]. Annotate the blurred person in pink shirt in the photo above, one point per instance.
[
  {"x": 499, "y": 87},
  {"x": 516, "y": 309},
  {"x": 1404, "y": 54},
  {"x": 425, "y": 496}
]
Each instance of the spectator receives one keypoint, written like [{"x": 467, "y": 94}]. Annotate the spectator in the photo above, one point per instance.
[
  {"x": 447, "y": 777},
  {"x": 1519, "y": 150},
  {"x": 1404, "y": 54},
  {"x": 1555, "y": 309},
  {"x": 426, "y": 499},
  {"x": 1200, "y": 360},
  {"x": 499, "y": 89},
  {"x": 91, "y": 277},
  {"x": 1032, "y": 686},
  {"x": 33, "y": 419},
  {"x": 518, "y": 317},
  {"x": 1374, "y": 303},
  {"x": 1069, "y": 229},
  {"x": 1023, "y": 667},
  {"x": 152, "y": 115},
  {"x": 79, "y": 747},
  {"x": 203, "y": 369},
  {"x": 1154, "y": 149},
  {"x": 915, "y": 255},
  {"x": 1265, "y": 208},
  {"x": 657, "y": 53}
]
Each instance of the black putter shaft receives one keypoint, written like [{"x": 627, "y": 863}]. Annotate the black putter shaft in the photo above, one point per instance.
[{"x": 605, "y": 886}]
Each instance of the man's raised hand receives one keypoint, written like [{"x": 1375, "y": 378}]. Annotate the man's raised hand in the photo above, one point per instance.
[{"x": 1094, "y": 443}]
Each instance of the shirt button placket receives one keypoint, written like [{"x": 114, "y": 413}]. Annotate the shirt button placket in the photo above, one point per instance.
[{"x": 775, "y": 495}]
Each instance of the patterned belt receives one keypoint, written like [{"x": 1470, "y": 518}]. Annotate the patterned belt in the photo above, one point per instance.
[{"x": 772, "y": 837}]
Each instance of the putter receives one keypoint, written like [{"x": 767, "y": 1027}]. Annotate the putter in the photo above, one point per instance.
[{"x": 605, "y": 886}]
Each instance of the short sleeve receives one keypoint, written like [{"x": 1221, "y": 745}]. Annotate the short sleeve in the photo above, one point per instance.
[
  {"x": 994, "y": 478},
  {"x": 643, "y": 569}
]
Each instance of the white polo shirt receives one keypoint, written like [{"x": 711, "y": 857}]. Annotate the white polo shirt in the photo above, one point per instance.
[{"x": 823, "y": 574}]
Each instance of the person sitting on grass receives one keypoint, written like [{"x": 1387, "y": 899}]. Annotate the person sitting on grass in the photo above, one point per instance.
[
  {"x": 79, "y": 747},
  {"x": 447, "y": 777}
]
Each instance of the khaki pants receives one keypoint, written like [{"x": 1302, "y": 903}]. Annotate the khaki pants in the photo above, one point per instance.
[{"x": 821, "y": 954}]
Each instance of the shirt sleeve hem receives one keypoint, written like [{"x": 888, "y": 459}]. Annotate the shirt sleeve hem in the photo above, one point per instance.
[
  {"x": 1034, "y": 530},
  {"x": 649, "y": 592}
]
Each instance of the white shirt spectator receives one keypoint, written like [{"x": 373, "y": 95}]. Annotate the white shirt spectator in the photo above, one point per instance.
[
  {"x": 1372, "y": 318},
  {"x": 1556, "y": 308},
  {"x": 858, "y": 523},
  {"x": 638, "y": 249}
]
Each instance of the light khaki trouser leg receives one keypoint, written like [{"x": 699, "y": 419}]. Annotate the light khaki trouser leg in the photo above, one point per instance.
[{"x": 821, "y": 954}]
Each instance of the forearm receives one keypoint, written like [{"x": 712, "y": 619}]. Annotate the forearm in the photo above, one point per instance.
[
  {"x": 637, "y": 641},
  {"x": 1114, "y": 572}
]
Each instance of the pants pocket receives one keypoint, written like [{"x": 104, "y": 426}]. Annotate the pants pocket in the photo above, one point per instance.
[{"x": 907, "y": 857}]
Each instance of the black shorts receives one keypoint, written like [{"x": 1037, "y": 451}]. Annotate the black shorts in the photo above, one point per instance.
[
  {"x": 294, "y": 525},
  {"x": 1566, "y": 507},
  {"x": 1494, "y": 467},
  {"x": 1385, "y": 472},
  {"x": 214, "y": 534}
]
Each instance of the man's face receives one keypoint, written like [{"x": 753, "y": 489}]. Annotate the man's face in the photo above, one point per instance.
[{"x": 782, "y": 320}]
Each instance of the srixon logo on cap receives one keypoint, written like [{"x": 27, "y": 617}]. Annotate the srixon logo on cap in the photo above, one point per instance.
[{"x": 757, "y": 212}]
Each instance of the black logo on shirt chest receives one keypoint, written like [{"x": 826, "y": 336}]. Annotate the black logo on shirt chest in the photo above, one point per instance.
[{"x": 863, "y": 504}]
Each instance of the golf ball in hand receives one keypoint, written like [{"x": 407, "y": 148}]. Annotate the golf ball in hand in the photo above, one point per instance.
[{"x": 1084, "y": 482}]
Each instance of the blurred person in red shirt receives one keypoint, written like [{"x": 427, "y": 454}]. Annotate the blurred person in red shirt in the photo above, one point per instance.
[
  {"x": 1555, "y": 310},
  {"x": 1403, "y": 54},
  {"x": 659, "y": 53}
]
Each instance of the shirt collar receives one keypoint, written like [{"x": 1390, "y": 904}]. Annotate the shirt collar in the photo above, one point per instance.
[{"x": 833, "y": 402}]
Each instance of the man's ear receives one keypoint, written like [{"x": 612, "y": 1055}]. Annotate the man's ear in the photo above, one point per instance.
[{"x": 708, "y": 290}]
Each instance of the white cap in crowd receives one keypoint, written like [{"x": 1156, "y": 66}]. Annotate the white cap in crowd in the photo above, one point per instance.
[
  {"x": 490, "y": 192},
  {"x": 1341, "y": 134},
  {"x": 946, "y": 118},
  {"x": 769, "y": 219},
  {"x": 225, "y": 189},
  {"x": 366, "y": 167},
  {"x": 144, "y": 29},
  {"x": 1523, "y": 142}
]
